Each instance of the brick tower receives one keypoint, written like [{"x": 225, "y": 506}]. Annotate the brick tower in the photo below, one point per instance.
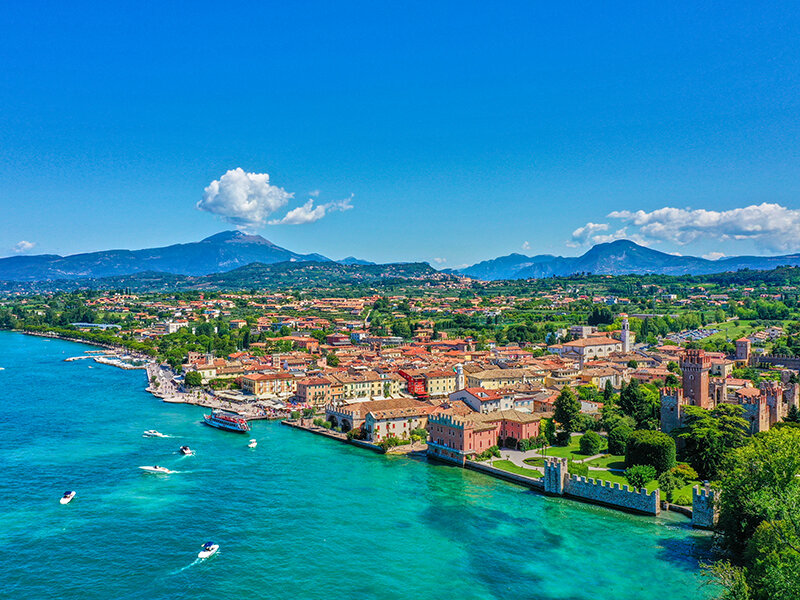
[
  {"x": 672, "y": 404},
  {"x": 696, "y": 366},
  {"x": 743, "y": 350}
]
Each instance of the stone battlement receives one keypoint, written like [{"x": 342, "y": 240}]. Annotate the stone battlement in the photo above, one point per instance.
[{"x": 558, "y": 481}]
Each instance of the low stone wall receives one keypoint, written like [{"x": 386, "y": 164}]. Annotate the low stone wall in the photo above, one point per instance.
[{"x": 531, "y": 482}]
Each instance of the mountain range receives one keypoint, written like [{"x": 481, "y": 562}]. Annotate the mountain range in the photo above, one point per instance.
[
  {"x": 221, "y": 252},
  {"x": 621, "y": 257},
  {"x": 230, "y": 250}
]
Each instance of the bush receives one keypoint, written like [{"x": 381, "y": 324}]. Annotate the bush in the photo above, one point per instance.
[
  {"x": 640, "y": 475},
  {"x": 654, "y": 448},
  {"x": 308, "y": 412},
  {"x": 591, "y": 443},
  {"x": 683, "y": 499},
  {"x": 685, "y": 473},
  {"x": 562, "y": 438},
  {"x": 419, "y": 434},
  {"x": 489, "y": 453},
  {"x": 584, "y": 422},
  {"x": 327, "y": 424},
  {"x": 510, "y": 442},
  {"x": 668, "y": 483},
  {"x": 618, "y": 438},
  {"x": 579, "y": 469},
  {"x": 318, "y": 422},
  {"x": 295, "y": 414}
]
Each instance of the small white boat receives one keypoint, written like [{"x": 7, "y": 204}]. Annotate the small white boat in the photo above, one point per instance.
[
  {"x": 156, "y": 469},
  {"x": 208, "y": 549},
  {"x": 186, "y": 451},
  {"x": 153, "y": 433},
  {"x": 253, "y": 443},
  {"x": 67, "y": 497}
]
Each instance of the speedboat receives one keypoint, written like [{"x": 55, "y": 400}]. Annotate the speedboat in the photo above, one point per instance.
[
  {"x": 153, "y": 433},
  {"x": 186, "y": 451},
  {"x": 67, "y": 497},
  {"x": 156, "y": 469},
  {"x": 253, "y": 443},
  {"x": 208, "y": 549}
]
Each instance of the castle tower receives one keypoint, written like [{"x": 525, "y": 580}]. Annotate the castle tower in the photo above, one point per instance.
[
  {"x": 672, "y": 403},
  {"x": 743, "y": 350},
  {"x": 626, "y": 336},
  {"x": 773, "y": 404},
  {"x": 696, "y": 366}
]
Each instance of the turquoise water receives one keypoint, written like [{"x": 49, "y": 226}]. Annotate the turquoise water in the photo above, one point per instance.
[{"x": 297, "y": 517}]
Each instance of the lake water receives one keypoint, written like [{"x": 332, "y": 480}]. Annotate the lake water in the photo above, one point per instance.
[{"x": 299, "y": 516}]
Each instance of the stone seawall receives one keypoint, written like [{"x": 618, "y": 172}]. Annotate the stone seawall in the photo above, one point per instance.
[
  {"x": 558, "y": 482},
  {"x": 531, "y": 482},
  {"x": 604, "y": 492}
]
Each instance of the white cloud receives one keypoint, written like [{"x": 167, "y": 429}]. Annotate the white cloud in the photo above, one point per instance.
[
  {"x": 771, "y": 226},
  {"x": 439, "y": 261},
  {"x": 314, "y": 193},
  {"x": 308, "y": 213},
  {"x": 244, "y": 199},
  {"x": 23, "y": 246},
  {"x": 714, "y": 255},
  {"x": 526, "y": 245}
]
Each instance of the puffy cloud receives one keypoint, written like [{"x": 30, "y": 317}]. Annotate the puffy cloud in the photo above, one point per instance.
[
  {"x": 439, "y": 261},
  {"x": 23, "y": 246},
  {"x": 243, "y": 199},
  {"x": 771, "y": 226},
  {"x": 308, "y": 213},
  {"x": 526, "y": 245},
  {"x": 714, "y": 255}
]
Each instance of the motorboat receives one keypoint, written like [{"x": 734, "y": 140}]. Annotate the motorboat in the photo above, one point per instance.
[
  {"x": 207, "y": 550},
  {"x": 154, "y": 433},
  {"x": 253, "y": 443},
  {"x": 186, "y": 451},
  {"x": 156, "y": 469},
  {"x": 67, "y": 497}
]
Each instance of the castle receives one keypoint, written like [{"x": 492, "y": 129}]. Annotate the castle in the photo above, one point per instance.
[{"x": 763, "y": 406}]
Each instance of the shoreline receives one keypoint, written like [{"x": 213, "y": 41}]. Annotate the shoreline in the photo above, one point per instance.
[{"x": 153, "y": 368}]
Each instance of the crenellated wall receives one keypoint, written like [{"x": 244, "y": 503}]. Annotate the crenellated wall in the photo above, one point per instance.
[
  {"x": 705, "y": 511},
  {"x": 558, "y": 481}
]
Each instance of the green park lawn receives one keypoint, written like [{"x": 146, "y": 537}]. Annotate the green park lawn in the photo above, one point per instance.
[
  {"x": 507, "y": 465},
  {"x": 609, "y": 461},
  {"x": 534, "y": 462},
  {"x": 572, "y": 451}
]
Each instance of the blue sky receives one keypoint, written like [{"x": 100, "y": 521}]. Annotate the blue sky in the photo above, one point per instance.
[{"x": 452, "y": 131}]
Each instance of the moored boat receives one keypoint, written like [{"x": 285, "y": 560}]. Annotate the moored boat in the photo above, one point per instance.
[{"x": 227, "y": 421}]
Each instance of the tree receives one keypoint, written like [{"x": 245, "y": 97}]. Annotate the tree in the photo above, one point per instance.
[
  {"x": 333, "y": 360},
  {"x": 549, "y": 431},
  {"x": 640, "y": 475},
  {"x": 591, "y": 443},
  {"x": 633, "y": 364},
  {"x": 567, "y": 409},
  {"x": 193, "y": 379},
  {"x": 618, "y": 438},
  {"x": 652, "y": 448},
  {"x": 668, "y": 482},
  {"x": 709, "y": 435},
  {"x": 759, "y": 506},
  {"x": 672, "y": 381},
  {"x": 641, "y": 403},
  {"x": 793, "y": 416},
  {"x": 608, "y": 393}
]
